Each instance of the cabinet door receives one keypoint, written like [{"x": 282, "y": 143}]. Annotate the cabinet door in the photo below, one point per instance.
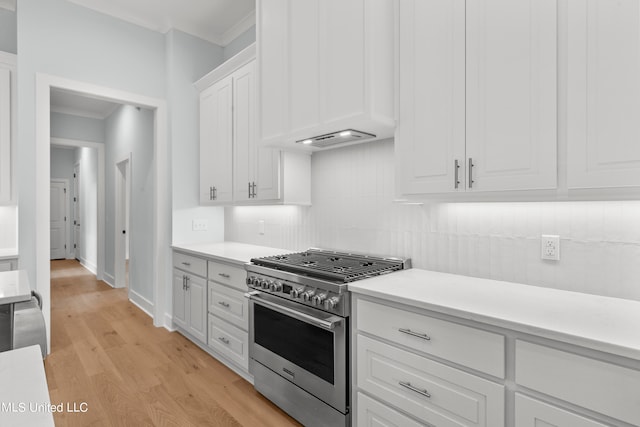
[
  {"x": 603, "y": 94},
  {"x": 179, "y": 300},
  {"x": 533, "y": 413},
  {"x": 430, "y": 137},
  {"x": 244, "y": 134},
  {"x": 511, "y": 94},
  {"x": 197, "y": 294},
  {"x": 5, "y": 135},
  {"x": 216, "y": 142}
]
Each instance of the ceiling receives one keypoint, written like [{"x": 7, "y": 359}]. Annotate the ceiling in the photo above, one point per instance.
[
  {"x": 218, "y": 21},
  {"x": 66, "y": 102}
]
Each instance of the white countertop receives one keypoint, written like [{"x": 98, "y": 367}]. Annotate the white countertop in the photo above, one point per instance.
[
  {"x": 23, "y": 389},
  {"x": 238, "y": 253},
  {"x": 8, "y": 253},
  {"x": 14, "y": 287},
  {"x": 601, "y": 323}
]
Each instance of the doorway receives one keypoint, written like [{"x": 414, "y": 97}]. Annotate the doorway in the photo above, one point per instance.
[
  {"x": 76, "y": 211},
  {"x": 58, "y": 218},
  {"x": 122, "y": 230}
]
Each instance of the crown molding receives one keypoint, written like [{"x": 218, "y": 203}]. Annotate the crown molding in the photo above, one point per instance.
[
  {"x": 232, "y": 33},
  {"x": 8, "y": 4}
]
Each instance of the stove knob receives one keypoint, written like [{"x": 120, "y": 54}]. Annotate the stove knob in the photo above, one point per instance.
[
  {"x": 264, "y": 284},
  {"x": 296, "y": 292},
  {"x": 275, "y": 286},
  {"x": 306, "y": 296},
  {"x": 250, "y": 280},
  {"x": 331, "y": 303},
  {"x": 318, "y": 299}
]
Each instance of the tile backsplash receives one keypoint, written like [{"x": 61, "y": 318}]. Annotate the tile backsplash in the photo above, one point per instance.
[{"x": 353, "y": 209}]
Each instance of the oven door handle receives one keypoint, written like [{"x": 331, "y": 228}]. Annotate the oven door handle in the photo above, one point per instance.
[{"x": 329, "y": 324}]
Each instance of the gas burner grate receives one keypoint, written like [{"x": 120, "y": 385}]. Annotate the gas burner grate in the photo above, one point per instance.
[{"x": 333, "y": 266}]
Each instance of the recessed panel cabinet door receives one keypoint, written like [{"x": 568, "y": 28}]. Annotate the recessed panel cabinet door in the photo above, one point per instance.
[
  {"x": 430, "y": 138},
  {"x": 197, "y": 294},
  {"x": 511, "y": 121},
  {"x": 216, "y": 143},
  {"x": 603, "y": 94},
  {"x": 179, "y": 300},
  {"x": 5, "y": 135},
  {"x": 244, "y": 131}
]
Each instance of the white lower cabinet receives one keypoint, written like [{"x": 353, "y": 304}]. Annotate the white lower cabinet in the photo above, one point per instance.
[
  {"x": 534, "y": 413},
  {"x": 372, "y": 413},
  {"x": 230, "y": 341},
  {"x": 431, "y": 391},
  {"x": 190, "y": 303}
]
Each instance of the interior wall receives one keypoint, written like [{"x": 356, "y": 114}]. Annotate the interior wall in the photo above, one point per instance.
[
  {"x": 129, "y": 130},
  {"x": 87, "y": 253},
  {"x": 240, "y": 42},
  {"x": 62, "y": 161},
  {"x": 188, "y": 59},
  {"x": 8, "y": 229},
  {"x": 70, "y": 126},
  {"x": 599, "y": 249},
  {"x": 8, "y": 31}
]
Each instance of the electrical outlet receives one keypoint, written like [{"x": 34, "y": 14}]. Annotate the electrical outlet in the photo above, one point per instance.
[
  {"x": 261, "y": 226},
  {"x": 550, "y": 247},
  {"x": 200, "y": 224}
]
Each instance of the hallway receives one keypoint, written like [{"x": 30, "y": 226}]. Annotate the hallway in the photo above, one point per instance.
[{"x": 107, "y": 353}]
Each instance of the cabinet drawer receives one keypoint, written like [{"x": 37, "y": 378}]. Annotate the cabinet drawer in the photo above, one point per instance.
[
  {"x": 229, "y": 304},
  {"x": 229, "y": 275},
  {"x": 599, "y": 386},
  {"x": 230, "y": 341},
  {"x": 533, "y": 413},
  {"x": 430, "y": 391},
  {"x": 7, "y": 265},
  {"x": 480, "y": 350},
  {"x": 372, "y": 413},
  {"x": 190, "y": 263}
]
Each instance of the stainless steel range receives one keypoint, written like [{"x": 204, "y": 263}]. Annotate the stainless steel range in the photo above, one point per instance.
[{"x": 299, "y": 329}]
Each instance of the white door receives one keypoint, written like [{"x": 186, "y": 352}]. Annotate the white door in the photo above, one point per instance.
[
  {"x": 122, "y": 232},
  {"x": 244, "y": 135},
  {"x": 216, "y": 143},
  {"x": 58, "y": 220},
  {"x": 430, "y": 138},
  {"x": 603, "y": 94},
  {"x": 76, "y": 211},
  {"x": 511, "y": 95}
]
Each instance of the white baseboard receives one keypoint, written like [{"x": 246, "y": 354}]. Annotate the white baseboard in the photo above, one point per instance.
[
  {"x": 109, "y": 279},
  {"x": 89, "y": 266},
  {"x": 168, "y": 322},
  {"x": 141, "y": 302}
]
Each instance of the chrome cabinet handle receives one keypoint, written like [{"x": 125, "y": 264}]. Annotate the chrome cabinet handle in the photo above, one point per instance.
[
  {"x": 187, "y": 264},
  {"x": 224, "y": 340},
  {"x": 249, "y": 190},
  {"x": 210, "y": 193},
  {"x": 456, "y": 171},
  {"x": 184, "y": 282},
  {"x": 415, "y": 334},
  {"x": 470, "y": 172},
  {"x": 226, "y": 276},
  {"x": 421, "y": 391},
  {"x": 253, "y": 190},
  {"x": 187, "y": 278},
  {"x": 224, "y": 304}
]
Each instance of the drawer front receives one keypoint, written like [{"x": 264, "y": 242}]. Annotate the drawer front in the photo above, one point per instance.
[
  {"x": 6, "y": 265},
  {"x": 229, "y": 304},
  {"x": 230, "y": 341},
  {"x": 229, "y": 275},
  {"x": 533, "y": 413},
  {"x": 599, "y": 386},
  {"x": 480, "y": 350},
  {"x": 430, "y": 391},
  {"x": 190, "y": 264},
  {"x": 372, "y": 413}
]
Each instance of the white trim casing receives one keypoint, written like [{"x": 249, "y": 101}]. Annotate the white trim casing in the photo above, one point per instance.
[{"x": 67, "y": 244}]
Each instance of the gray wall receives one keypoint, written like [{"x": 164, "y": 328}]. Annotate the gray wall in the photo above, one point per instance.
[
  {"x": 129, "y": 130},
  {"x": 75, "y": 127},
  {"x": 8, "y": 31},
  {"x": 240, "y": 42},
  {"x": 61, "y": 162},
  {"x": 188, "y": 59},
  {"x": 87, "y": 251}
]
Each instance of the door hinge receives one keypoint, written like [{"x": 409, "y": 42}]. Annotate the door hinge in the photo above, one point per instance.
[
  {"x": 65, "y": 246},
  {"x": 74, "y": 175},
  {"x": 65, "y": 191},
  {"x": 75, "y": 200},
  {"x": 74, "y": 246},
  {"x": 65, "y": 219}
]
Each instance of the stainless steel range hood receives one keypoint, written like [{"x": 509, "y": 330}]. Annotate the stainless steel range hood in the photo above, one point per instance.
[{"x": 335, "y": 138}]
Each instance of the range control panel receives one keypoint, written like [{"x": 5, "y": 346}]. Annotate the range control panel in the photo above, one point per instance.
[{"x": 308, "y": 295}]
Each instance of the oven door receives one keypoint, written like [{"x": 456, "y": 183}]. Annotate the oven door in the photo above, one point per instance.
[{"x": 306, "y": 346}]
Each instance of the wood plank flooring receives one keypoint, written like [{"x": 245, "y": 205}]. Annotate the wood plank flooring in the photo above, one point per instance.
[{"x": 107, "y": 353}]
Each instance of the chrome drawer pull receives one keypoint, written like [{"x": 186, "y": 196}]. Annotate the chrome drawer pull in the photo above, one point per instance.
[
  {"x": 224, "y": 340},
  {"x": 226, "y": 276},
  {"x": 415, "y": 334},
  {"x": 188, "y": 264},
  {"x": 423, "y": 392},
  {"x": 224, "y": 304}
]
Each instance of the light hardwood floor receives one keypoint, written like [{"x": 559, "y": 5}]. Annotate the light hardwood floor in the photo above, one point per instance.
[{"x": 107, "y": 353}]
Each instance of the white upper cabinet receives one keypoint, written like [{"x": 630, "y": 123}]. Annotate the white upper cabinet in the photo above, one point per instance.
[
  {"x": 5, "y": 134},
  {"x": 324, "y": 66},
  {"x": 216, "y": 143},
  {"x": 603, "y": 94},
  {"x": 477, "y": 96}
]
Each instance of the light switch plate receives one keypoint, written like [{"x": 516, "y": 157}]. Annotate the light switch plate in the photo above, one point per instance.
[
  {"x": 200, "y": 224},
  {"x": 550, "y": 247}
]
